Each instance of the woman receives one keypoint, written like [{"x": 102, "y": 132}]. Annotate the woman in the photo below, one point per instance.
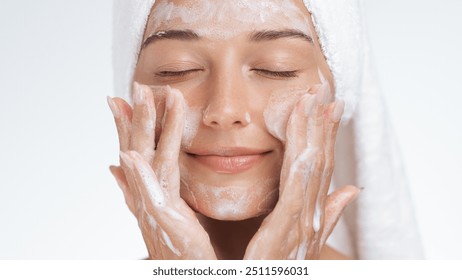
[{"x": 228, "y": 149}]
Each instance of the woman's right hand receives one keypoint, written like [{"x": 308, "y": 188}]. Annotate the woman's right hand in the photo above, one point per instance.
[{"x": 150, "y": 179}]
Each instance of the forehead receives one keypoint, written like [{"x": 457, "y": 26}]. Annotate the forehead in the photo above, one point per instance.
[{"x": 228, "y": 18}]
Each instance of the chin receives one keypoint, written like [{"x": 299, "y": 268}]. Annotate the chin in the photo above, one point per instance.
[
  {"x": 231, "y": 203},
  {"x": 230, "y": 213}
]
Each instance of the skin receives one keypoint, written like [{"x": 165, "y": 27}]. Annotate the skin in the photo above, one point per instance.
[{"x": 284, "y": 211}]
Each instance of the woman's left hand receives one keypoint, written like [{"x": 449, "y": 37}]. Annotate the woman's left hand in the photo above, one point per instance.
[{"x": 305, "y": 214}]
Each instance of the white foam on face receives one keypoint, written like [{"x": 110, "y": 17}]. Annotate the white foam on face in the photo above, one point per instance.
[
  {"x": 282, "y": 102},
  {"x": 193, "y": 118},
  {"x": 233, "y": 201},
  {"x": 247, "y": 117},
  {"x": 226, "y": 201},
  {"x": 277, "y": 112},
  {"x": 230, "y": 17}
]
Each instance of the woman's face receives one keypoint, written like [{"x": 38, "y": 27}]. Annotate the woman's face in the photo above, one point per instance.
[{"x": 241, "y": 67}]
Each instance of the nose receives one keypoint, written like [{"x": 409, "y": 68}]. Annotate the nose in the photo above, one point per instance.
[{"x": 227, "y": 104}]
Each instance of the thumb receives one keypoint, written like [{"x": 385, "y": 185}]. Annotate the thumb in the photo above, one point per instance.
[
  {"x": 335, "y": 204},
  {"x": 119, "y": 175}
]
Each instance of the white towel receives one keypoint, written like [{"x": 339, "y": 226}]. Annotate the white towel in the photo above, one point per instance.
[{"x": 381, "y": 223}]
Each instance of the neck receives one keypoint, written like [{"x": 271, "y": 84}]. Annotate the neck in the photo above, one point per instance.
[{"x": 230, "y": 238}]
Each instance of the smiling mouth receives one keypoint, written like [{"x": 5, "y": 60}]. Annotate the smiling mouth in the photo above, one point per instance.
[{"x": 229, "y": 160}]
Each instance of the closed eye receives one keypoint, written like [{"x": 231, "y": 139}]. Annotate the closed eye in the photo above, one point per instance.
[
  {"x": 276, "y": 74},
  {"x": 182, "y": 73}
]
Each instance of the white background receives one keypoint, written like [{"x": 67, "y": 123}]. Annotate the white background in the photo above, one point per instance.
[{"x": 57, "y": 197}]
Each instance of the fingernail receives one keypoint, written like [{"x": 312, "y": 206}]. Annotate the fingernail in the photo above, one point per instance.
[
  {"x": 338, "y": 111},
  {"x": 138, "y": 94},
  {"x": 113, "y": 106}
]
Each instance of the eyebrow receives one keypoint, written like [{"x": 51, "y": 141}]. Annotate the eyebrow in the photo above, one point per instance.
[
  {"x": 257, "y": 36},
  {"x": 267, "y": 35},
  {"x": 184, "y": 35}
]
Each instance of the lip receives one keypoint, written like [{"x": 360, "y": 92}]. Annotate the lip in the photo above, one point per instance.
[{"x": 228, "y": 160}]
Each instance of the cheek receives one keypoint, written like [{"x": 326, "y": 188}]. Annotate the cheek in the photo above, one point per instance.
[
  {"x": 277, "y": 112},
  {"x": 282, "y": 102},
  {"x": 193, "y": 118}
]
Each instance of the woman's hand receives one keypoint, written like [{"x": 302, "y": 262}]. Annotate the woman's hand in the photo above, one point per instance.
[
  {"x": 150, "y": 179},
  {"x": 305, "y": 214}
]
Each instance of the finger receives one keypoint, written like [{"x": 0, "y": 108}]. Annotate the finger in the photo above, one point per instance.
[
  {"x": 296, "y": 137},
  {"x": 292, "y": 198},
  {"x": 128, "y": 167},
  {"x": 151, "y": 193},
  {"x": 332, "y": 115},
  {"x": 159, "y": 94},
  {"x": 158, "y": 208},
  {"x": 151, "y": 201},
  {"x": 315, "y": 137},
  {"x": 165, "y": 163},
  {"x": 310, "y": 212},
  {"x": 122, "y": 115},
  {"x": 323, "y": 90},
  {"x": 143, "y": 122},
  {"x": 151, "y": 233},
  {"x": 335, "y": 204},
  {"x": 119, "y": 175}
]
